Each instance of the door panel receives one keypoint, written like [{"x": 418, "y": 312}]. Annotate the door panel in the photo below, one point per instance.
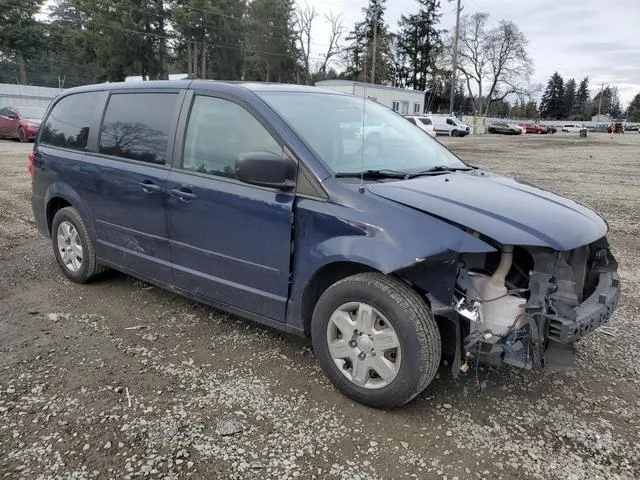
[
  {"x": 127, "y": 202},
  {"x": 230, "y": 242},
  {"x": 126, "y": 180},
  {"x": 4, "y": 120}
]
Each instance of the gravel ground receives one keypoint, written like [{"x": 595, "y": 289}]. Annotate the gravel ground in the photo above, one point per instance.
[{"x": 118, "y": 379}]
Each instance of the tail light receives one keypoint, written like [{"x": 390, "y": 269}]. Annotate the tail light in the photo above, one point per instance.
[{"x": 32, "y": 164}]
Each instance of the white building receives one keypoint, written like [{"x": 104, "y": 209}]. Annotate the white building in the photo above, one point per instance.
[
  {"x": 602, "y": 118},
  {"x": 401, "y": 100},
  {"x": 172, "y": 76}
]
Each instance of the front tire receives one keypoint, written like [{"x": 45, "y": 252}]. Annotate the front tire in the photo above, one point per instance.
[
  {"x": 376, "y": 339},
  {"x": 22, "y": 136},
  {"x": 73, "y": 246}
]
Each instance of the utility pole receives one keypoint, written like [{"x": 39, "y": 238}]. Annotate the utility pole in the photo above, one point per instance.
[
  {"x": 375, "y": 45},
  {"x": 600, "y": 103},
  {"x": 455, "y": 57}
]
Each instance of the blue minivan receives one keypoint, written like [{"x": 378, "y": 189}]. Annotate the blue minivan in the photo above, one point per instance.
[{"x": 274, "y": 203}]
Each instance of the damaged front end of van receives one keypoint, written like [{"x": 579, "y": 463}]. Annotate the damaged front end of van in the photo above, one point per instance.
[{"x": 550, "y": 278}]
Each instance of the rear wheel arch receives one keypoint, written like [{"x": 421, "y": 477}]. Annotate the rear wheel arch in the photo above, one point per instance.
[
  {"x": 321, "y": 280},
  {"x": 53, "y": 205}
]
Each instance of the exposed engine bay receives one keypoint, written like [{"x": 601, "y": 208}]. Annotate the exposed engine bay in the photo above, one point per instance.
[{"x": 511, "y": 304}]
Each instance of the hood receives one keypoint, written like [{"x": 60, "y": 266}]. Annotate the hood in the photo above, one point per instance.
[{"x": 501, "y": 208}]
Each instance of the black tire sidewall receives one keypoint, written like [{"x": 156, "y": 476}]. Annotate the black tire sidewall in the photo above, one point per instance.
[
  {"x": 22, "y": 136},
  {"x": 404, "y": 385},
  {"x": 86, "y": 269}
]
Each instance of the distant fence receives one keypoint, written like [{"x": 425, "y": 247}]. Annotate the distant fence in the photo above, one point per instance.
[{"x": 26, "y": 95}]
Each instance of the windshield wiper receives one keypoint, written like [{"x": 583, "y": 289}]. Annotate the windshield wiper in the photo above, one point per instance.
[
  {"x": 384, "y": 173},
  {"x": 439, "y": 169}
]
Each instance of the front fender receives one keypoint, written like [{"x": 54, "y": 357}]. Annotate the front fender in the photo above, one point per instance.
[{"x": 388, "y": 237}]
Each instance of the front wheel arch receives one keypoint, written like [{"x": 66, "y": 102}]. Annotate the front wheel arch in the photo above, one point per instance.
[{"x": 321, "y": 280}]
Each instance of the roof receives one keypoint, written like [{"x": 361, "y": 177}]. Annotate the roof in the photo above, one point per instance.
[
  {"x": 204, "y": 84},
  {"x": 268, "y": 86},
  {"x": 368, "y": 86}
]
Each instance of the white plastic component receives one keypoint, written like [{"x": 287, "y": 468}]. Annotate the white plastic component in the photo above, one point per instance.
[{"x": 498, "y": 310}]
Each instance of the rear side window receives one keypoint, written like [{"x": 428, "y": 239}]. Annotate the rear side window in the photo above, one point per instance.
[
  {"x": 217, "y": 132},
  {"x": 426, "y": 121},
  {"x": 68, "y": 123},
  {"x": 136, "y": 126}
]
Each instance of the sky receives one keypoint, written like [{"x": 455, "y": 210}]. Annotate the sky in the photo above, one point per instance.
[{"x": 577, "y": 38}]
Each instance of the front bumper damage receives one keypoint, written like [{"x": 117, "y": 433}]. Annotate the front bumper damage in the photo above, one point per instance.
[{"x": 561, "y": 298}]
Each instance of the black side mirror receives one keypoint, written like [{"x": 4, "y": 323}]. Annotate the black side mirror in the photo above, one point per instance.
[{"x": 266, "y": 169}]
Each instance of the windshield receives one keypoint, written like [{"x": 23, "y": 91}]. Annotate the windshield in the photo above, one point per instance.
[
  {"x": 332, "y": 126},
  {"x": 31, "y": 113}
]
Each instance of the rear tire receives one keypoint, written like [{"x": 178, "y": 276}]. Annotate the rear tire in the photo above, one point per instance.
[
  {"x": 414, "y": 359},
  {"x": 73, "y": 247}
]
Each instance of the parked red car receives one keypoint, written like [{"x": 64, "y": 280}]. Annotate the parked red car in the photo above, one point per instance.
[
  {"x": 22, "y": 123},
  {"x": 533, "y": 128}
]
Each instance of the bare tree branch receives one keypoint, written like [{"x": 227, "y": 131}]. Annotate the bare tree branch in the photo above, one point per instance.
[
  {"x": 304, "y": 18},
  {"x": 334, "y": 48},
  {"x": 492, "y": 58}
]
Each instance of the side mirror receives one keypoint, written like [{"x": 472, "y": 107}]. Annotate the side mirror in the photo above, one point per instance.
[{"x": 266, "y": 169}]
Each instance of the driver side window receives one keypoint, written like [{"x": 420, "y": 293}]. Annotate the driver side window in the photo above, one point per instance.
[{"x": 217, "y": 132}]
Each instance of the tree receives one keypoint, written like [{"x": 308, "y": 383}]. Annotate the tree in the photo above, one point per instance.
[
  {"x": 633, "y": 114},
  {"x": 271, "y": 41},
  {"x": 615, "y": 109},
  {"x": 610, "y": 102},
  {"x": 583, "y": 102},
  {"x": 211, "y": 37},
  {"x": 569, "y": 110},
  {"x": 418, "y": 43},
  {"x": 552, "y": 103},
  {"x": 369, "y": 36},
  {"x": 304, "y": 23},
  {"x": 334, "y": 47},
  {"x": 496, "y": 58},
  {"x": 20, "y": 33}
]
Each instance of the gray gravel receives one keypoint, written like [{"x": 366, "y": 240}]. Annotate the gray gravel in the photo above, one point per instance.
[{"x": 119, "y": 380}]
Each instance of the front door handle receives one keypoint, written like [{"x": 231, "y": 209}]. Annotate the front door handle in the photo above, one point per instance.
[
  {"x": 183, "y": 194},
  {"x": 149, "y": 187}
]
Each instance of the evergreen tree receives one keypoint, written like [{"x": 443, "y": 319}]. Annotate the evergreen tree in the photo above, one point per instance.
[
  {"x": 610, "y": 102},
  {"x": 615, "y": 110},
  {"x": 360, "y": 51},
  {"x": 583, "y": 102},
  {"x": 271, "y": 42},
  {"x": 20, "y": 34},
  {"x": 419, "y": 42},
  {"x": 211, "y": 37},
  {"x": 552, "y": 102},
  {"x": 633, "y": 114},
  {"x": 569, "y": 99}
]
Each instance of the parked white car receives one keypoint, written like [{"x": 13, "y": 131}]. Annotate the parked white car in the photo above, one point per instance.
[
  {"x": 449, "y": 126},
  {"x": 423, "y": 123},
  {"x": 571, "y": 127}
]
